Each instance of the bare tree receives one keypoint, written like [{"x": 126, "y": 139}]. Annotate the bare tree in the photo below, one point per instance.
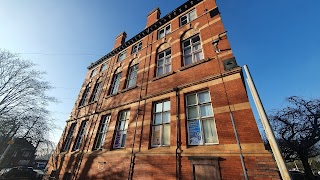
[
  {"x": 23, "y": 100},
  {"x": 298, "y": 128}
]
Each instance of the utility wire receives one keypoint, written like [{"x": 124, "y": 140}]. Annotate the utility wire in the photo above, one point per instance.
[{"x": 62, "y": 54}]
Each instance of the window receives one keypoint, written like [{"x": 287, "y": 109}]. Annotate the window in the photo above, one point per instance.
[
  {"x": 80, "y": 136},
  {"x": 164, "y": 31},
  {"x": 201, "y": 126},
  {"x": 137, "y": 47},
  {"x": 104, "y": 66},
  {"x": 121, "y": 131},
  {"x": 115, "y": 83},
  {"x": 93, "y": 72},
  {"x": 161, "y": 124},
  {"x": 192, "y": 50},
  {"x": 122, "y": 56},
  {"x": 190, "y": 16},
  {"x": 84, "y": 95},
  {"x": 132, "y": 76},
  {"x": 14, "y": 154},
  {"x": 96, "y": 90},
  {"x": 69, "y": 137},
  {"x": 164, "y": 62},
  {"x": 102, "y": 131}
]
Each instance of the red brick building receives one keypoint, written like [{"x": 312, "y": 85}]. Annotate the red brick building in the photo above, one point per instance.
[{"x": 169, "y": 103}]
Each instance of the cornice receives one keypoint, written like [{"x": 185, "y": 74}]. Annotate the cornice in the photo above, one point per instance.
[{"x": 176, "y": 12}]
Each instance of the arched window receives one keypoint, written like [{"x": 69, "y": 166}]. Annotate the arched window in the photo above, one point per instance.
[
  {"x": 163, "y": 60},
  {"x": 96, "y": 90},
  {"x": 115, "y": 81},
  {"x": 191, "y": 47},
  {"x": 132, "y": 74},
  {"x": 84, "y": 95}
]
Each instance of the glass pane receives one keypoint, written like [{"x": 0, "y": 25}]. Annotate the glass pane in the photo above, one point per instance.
[
  {"x": 206, "y": 110},
  {"x": 98, "y": 141},
  {"x": 187, "y": 60},
  {"x": 193, "y": 112},
  {"x": 166, "y": 134},
  {"x": 123, "y": 141},
  {"x": 191, "y": 99},
  {"x": 192, "y": 15},
  {"x": 194, "y": 132},
  {"x": 198, "y": 56},
  {"x": 166, "y": 106},
  {"x": 167, "y": 68},
  {"x": 156, "y": 135},
  {"x": 161, "y": 33},
  {"x": 166, "y": 117},
  {"x": 117, "y": 140},
  {"x": 168, "y": 59},
  {"x": 159, "y": 107},
  {"x": 187, "y": 51},
  {"x": 204, "y": 97},
  {"x": 168, "y": 52},
  {"x": 121, "y": 125},
  {"x": 195, "y": 39},
  {"x": 210, "y": 132},
  {"x": 160, "y": 62},
  {"x": 183, "y": 20},
  {"x": 161, "y": 55},
  {"x": 158, "y": 118},
  {"x": 186, "y": 43},
  {"x": 160, "y": 71},
  {"x": 168, "y": 29}
]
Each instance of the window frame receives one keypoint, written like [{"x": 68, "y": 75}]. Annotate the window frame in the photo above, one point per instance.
[
  {"x": 165, "y": 56},
  {"x": 193, "y": 50},
  {"x": 114, "y": 89},
  {"x": 162, "y": 124},
  {"x": 102, "y": 131},
  {"x": 188, "y": 17},
  {"x": 134, "y": 68},
  {"x": 165, "y": 31},
  {"x": 136, "y": 48},
  {"x": 200, "y": 119},
  {"x": 67, "y": 141},
  {"x": 96, "y": 91},
  {"x": 104, "y": 67},
  {"x": 80, "y": 136},
  {"x": 123, "y": 134},
  {"x": 122, "y": 56}
]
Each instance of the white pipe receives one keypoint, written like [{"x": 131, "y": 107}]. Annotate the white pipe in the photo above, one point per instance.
[{"x": 266, "y": 125}]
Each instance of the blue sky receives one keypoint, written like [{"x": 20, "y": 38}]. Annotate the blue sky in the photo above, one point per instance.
[{"x": 277, "y": 39}]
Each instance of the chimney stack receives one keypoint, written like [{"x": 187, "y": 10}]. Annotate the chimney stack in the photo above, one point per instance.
[
  {"x": 153, "y": 16},
  {"x": 120, "y": 40}
]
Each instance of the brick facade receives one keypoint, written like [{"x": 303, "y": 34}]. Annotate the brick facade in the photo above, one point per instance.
[{"x": 178, "y": 158}]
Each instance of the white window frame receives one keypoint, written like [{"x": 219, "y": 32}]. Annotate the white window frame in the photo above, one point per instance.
[
  {"x": 162, "y": 124},
  {"x": 122, "y": 56},
  {"x": 102, "y": 131},
  {"x": 96, "y": 91},
  {"x": 189, "y": 17},
  {"x": 81, "y": 134},
  {"x": 121, "y": 131},
  {"x": 164, "y": 64},
  {"x": 200, "y": 119},
  {"x": 115, "y": 83},
  {"x": 132, "y": 76},
  {"x": 193, "y": 50},
  {"x": 137, "y": 47},
  {"x": 166, "y": 30},
  {"x": 68, "y": 139},
  {"x": 84, "y": 96}
]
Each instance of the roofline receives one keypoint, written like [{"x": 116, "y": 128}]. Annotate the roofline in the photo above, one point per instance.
[{"x": 176, "y": 12}]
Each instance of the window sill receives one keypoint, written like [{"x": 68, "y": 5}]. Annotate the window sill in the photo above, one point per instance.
[
  {"x": 128, "y": 89},
  {"x": 162, "y": 76},
  {"x": 164, "y": 146},
  {"x": 92, "y": 102},
  {"x": 194, "y": 64}
]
